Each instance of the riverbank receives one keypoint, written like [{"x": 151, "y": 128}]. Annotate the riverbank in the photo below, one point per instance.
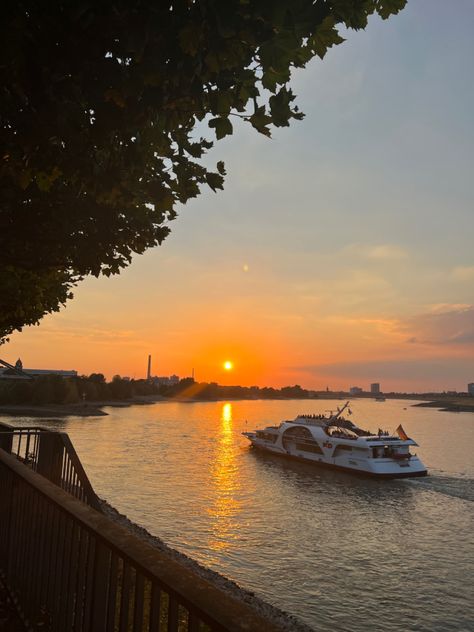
[
  {"x": 449, "y": 406},
  {"x": 95, "y": 409},
  {"x": 56, "y": 410},
  {"x": 272, "y": 614},
  {"x": 81, "y": 409}
]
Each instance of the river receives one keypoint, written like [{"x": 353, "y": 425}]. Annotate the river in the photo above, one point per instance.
[{"x": 340, "y": 552}]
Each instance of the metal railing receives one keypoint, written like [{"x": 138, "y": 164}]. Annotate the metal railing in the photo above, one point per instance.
[
  {"x": 52, "y": 455},
  {"x": 72, "y": 569}
]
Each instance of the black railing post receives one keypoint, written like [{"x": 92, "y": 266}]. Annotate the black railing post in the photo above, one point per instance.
[
  {"x": 50, "y": 456},
  {"x": 6, "y": 438},
  {"x": 100, "y": 590}
]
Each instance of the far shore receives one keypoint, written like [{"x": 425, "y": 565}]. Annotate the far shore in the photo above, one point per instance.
[
  {"x": 81, "y": 409},
  {"x": 449, "y": 406},
  {"x": 95, "y": 409}
]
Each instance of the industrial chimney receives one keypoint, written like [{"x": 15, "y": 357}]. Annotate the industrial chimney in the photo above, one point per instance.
[{"x": 148, "y": 373}]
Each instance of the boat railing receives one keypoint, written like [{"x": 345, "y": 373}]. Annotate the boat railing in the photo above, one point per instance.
[
  {"x": 382, "y": 438},
  {"x": 309, "y": 421}
]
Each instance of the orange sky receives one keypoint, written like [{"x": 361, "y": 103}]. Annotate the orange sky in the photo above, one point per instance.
[{"x": 339, "y": 253}]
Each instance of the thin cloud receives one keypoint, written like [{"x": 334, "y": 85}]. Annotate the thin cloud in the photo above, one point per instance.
[
  {"x": 437, "y": 368},
  {"x": 96, "y": 335},
  {"x": 387, "y": 251},
  {"x": 418, "y": 371},
  {"x": 378, "y": 252},
  {"x": 463, "y": 273},
  {"x": 454, "y": 327}
]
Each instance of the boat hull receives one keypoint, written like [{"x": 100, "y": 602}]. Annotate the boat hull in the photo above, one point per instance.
[{"x": 342, "y": 468}]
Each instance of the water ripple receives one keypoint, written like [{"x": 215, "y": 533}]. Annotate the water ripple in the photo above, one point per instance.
[{"x": 340, "y": 552}]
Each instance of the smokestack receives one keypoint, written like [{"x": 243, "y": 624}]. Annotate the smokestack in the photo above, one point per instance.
[{"x": 148, "y": 374}]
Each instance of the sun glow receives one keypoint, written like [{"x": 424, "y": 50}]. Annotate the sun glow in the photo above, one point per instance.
[
  {"x": 225, "y": 490},
  {"x": 228, "y": 365}
]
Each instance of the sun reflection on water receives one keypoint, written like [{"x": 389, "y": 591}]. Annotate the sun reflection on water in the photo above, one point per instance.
[{"x": 225, "y": 508}]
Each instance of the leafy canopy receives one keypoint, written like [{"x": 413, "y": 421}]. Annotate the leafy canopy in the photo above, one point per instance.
[{"x": 99, "y": 105}]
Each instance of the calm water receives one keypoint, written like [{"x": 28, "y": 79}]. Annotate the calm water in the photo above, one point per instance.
[{"x": 340, "y": 552}]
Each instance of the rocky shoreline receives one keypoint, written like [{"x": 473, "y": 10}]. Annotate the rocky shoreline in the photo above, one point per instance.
[
  {"x": 448, "y": 406},
  {"x": 273, "y": 614},
  {"x": 82, "y": 409},
  {"x": 51, "y": 411}
]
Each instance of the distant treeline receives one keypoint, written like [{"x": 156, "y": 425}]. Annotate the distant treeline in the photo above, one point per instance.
[
  {"x": 54, "y": 389},
  {"x": 189, "y": 389}
]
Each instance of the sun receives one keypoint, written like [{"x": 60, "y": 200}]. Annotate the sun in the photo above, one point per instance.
[{"x": 228, "y": 365}]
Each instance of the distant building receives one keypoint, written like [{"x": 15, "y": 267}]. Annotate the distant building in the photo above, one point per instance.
[
  {"x": 355, "y": 390},
  {"x": 61, "y": 372},
  {"x": 470, "y": 389},
  {"x": 375, "y": 388},
  {"x": 17, "y": 371},
  {"x": 172, "y": 380}
]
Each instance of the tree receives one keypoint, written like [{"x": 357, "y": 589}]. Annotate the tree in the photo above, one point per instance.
[
  {"x": 120, "y": 389},
  {"x": 100, "y": 104},
  {"x": 97, "y": 378},
  {"x": 295, "y": 392}
]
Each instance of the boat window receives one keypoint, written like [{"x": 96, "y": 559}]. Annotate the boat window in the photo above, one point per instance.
[
  {"x": 268, "y": 436},
  {"x": 296, "y": 433},
  {"x": 342, "y": 449},
  {"x": 309, "y": 447}
]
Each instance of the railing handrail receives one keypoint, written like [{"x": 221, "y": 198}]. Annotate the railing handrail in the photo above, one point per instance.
[
  {"x": 84, "y": 489},
  {"x": 24, "y": 428},
  {"x": 76, "y": 461},
  {"x": 214, "y": 606}
]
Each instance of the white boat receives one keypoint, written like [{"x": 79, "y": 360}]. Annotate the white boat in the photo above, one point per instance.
[{"x": 333, "y": 441}]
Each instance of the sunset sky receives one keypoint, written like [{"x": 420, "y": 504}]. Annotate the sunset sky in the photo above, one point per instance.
[{"x": 340, "y": 252}]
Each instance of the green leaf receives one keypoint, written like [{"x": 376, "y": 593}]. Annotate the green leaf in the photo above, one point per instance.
[
  {"x": 271, "y": 78},
  {"x": 326, "y": 36},
  {"x": 260, "y": 121},
  {"x": 215, "y": 181},
  {"x": 280, "y": 107},
  {"x": 386, "y": 8},
  {"x": 190, "y": 38},
  {"x": 224, "y": 103},
  {"x": 222, "y": 126}
]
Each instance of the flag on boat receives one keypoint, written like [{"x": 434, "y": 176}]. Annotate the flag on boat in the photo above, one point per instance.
[{"x": 401, "y": 433}]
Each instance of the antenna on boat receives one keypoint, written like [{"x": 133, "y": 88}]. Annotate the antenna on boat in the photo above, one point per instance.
[{"x": 341, "y": 410}]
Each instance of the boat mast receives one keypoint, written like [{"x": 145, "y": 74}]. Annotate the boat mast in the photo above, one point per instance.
[{"x": 339, "y": 411}]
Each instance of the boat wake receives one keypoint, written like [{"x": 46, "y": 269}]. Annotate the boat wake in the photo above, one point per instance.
[{"x": 453, "y": 486}]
